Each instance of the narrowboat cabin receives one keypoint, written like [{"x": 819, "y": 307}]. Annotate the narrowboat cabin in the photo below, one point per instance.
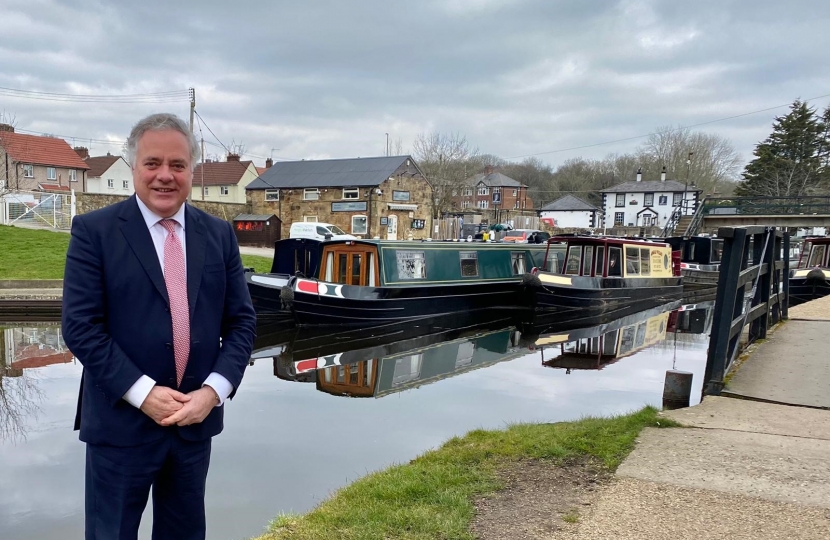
[
  {"x": 291, "y": 256},
  {"x": 604, "y": 278},
  {"x": 700, "y": 258},
  {"x": 372, "y": 282},
  {"x": 811, "y": 278}
]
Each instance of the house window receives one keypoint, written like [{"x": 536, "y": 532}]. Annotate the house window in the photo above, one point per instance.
[
  {"x": 620, "y": 199},
  {"x": 483, "y": 190},
  {"x": 664, "y": 200},
  {"x": 310, "y": 219},
  {"x": 468, "y": 192},
  {"x": 469, "y": 263},
  {"x": 110, "y": 183},
  {"x": 619, "y": 218},
  {"x": 351, "y": 193},
  {"x": 465, "y": 204},
  {"x": 517, "y": 262},
  {"x": 649, "y": 199},
  {"x": 125, "y": 184},
  {"x": 224, "y": 190},
  {"x": 411, "y": 264},
  {"x": 50, "y": 173},
  {"x": 311, "y": 194},
  {"x": 400, "y": 196},
  {"x": 272, "y": 195},
  {"x": 516, "y": 204},
  {"x": 73, "y": 175},
  {"x": 676, "y": 198},
  {"x": 454, "y": 192},
  {"x": 359, "y": 224},
  {"x": 207, "y": 191},
  {"x": 514, "y": 192},
  {"x": 28, "y": 171},
  {"x": 483, "y": 204}
]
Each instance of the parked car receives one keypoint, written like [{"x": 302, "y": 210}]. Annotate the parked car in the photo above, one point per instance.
[
  {"x": 526, "y": 236},
  {"x": 318, "y": 231}
]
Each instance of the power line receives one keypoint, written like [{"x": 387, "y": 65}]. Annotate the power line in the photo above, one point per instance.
[
  {"x": 211, "y": 131},
  {"x": 154, "y": 97},
  {"x": 626, "y": 139},
  {"x": 80, "y": 139}
]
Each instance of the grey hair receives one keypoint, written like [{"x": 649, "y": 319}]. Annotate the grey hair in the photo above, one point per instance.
[{"x": 160, "y": 122}]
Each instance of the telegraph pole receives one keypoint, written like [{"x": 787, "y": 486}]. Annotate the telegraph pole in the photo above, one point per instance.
[
  {"x": 203, "y": 168},
  {"x": 192, "y": 92}
]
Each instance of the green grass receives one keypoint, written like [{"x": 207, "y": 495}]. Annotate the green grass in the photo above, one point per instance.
[
  {"x": 571, "y": 517},
  {"x": 432, "y": 496},
  {"x": 32, "y": 254},
  {"x": 39, "y": 254}
]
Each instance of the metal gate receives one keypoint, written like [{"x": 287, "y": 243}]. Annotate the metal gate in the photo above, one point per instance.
[{"x": 37, "y": 209}]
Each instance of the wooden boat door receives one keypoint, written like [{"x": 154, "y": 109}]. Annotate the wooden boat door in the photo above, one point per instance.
[{"x": 351, "y": 265}]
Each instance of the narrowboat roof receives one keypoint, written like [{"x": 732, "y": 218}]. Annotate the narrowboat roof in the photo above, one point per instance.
[
  {"x": 420, "y": 244},
  {"x": 817, "y": 240},
  {"x": 594, "y": 240}
]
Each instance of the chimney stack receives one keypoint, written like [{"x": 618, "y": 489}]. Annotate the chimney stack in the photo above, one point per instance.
[
  {"x": 7, "y": 127},
  {"x": 82, "y": 151},
  {"x": 488, "y": 170},
  {"x": 233, "y": 157},
  {"x": 640, "y": 174},
  {"x": 663, "y": 174},
  {"x": 268, "y": 163}
]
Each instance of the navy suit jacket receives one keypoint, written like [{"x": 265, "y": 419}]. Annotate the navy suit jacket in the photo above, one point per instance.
[{"x": 116, "y": 319}]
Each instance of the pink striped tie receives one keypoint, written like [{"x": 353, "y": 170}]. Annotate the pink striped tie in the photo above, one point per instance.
[{"x": 175, "y": 276}]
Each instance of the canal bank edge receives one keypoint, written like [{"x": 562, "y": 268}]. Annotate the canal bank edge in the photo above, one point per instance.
[{"x": 434, "y": 496}]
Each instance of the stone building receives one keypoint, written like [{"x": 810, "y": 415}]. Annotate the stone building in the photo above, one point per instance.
[{"x": 379, "y": 197}]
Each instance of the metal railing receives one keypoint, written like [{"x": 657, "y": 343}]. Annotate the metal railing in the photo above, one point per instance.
[
  {"x": 37, "y": 209},
  {"x": 773, "y": 206},
  {"x": 697, "y": 220},
  {"x": 754, "y": 295}
]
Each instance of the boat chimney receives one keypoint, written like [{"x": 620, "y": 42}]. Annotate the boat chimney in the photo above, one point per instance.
[
  {"x": 663, "y": 174},
  {"x": 640, "y": 174}
]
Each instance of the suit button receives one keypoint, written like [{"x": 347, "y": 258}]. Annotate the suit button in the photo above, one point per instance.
[{"x": 168, "y": 345}]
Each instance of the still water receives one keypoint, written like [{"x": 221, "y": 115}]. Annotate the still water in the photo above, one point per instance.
[{"x": 317, "y": 412}]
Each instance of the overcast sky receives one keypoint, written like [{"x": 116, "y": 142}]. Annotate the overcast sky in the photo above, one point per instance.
[{"x": 328, "y": 78}]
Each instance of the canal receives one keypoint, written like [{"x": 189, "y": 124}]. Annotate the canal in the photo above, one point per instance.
[{"x": 317, "y": 411}]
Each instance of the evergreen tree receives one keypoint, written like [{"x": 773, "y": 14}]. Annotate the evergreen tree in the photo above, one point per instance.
[{"x": 789, "y": 161}]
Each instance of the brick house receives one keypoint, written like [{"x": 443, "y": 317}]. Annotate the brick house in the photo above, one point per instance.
[
  {"x": 383, "y": 197},
  {"x": 35, "y": 163},
  {"x": 223, "y": 181},
  {"x": 494, "y": 195}
]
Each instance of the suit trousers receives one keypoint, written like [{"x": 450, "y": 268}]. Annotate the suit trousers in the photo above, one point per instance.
[{"x": 118, "y": 483}]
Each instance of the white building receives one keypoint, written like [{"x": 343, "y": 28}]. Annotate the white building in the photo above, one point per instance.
[
  {"x": 651, "y": 203},
  {"x": 571, "y": 212},
  {"x": 109, "y": 175}
]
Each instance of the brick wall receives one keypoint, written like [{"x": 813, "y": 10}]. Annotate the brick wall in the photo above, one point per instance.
[
  {"x": 292, "y": 208},
  {"x": 87, "y": 202}
]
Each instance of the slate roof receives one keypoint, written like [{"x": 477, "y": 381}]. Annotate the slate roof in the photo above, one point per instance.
[
  {"x": 495, "y": 179},
  {"x": 649, "y": 187},
  {"x": 38, "y": 150},
  {"x": 99, "y": 165},
  {"x": 352, "y": 172},
  {"x": 220, "y": 173},
  {"x": 568, "y": 202}
]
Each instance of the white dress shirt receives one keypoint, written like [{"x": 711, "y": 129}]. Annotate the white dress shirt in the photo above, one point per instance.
[{"x": 139, "y": 391}]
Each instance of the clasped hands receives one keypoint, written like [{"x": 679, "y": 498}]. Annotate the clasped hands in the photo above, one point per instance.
[{"x": 169, "y": 407}]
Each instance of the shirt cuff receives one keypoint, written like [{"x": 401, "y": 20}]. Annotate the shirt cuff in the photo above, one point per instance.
[
  {"x": 221, "y": 385},
  {"x": 139, "y": 391}
]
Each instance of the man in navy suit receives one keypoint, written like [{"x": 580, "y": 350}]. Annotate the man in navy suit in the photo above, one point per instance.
[{"x": 156, "y": 308}]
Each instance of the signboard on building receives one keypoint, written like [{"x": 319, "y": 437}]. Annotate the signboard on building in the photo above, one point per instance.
[{"x": 349, "y": 206}]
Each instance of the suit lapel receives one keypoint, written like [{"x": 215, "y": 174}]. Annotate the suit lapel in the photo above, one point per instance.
[
  {"x": 196, "y": 239},
  {"x": 135, "y": 230}
]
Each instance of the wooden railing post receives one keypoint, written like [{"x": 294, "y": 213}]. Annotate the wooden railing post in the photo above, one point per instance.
[
  {"x": 726, "y": 305},
  {"x": 785, "y": 302}
]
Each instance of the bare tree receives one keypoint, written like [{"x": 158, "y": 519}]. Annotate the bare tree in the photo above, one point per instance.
[
  {"x": 19, "y": 397},
  {"x": 446, "y": 160}
]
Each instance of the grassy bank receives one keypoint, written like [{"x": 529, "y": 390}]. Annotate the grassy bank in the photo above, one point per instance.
[
  {"x": 39, "y": 254},
  {"x": 432, "y": 496}
]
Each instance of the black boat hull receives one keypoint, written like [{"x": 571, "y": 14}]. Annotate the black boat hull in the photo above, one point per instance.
[
  {"x": 805, "y": 289},
  {"x": 265, "y": 294}
]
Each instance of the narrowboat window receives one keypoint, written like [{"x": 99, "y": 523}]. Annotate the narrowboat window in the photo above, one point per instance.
[
  {"x": 371, "y": 269},
  {"x": 805, "y": 253},
  {"x": 341, "y": 374},
  {"x": 717, "y": 251},
  {"x": 517, "y": 262},
  {"x": 357, "y": 258},
  {"x": 572, "y": 264},
  {"x": 407, "y": 368},
  {"x": 411, "y": 265},
  {"x": 632, "y": 261},
  {"x": 614, "y": 262},
  {"x": 587, "y": 259},
  {"x": 600, "y": 260},
  {"x": 817, "y": 256},
  {"x": 555, "y": 262},
  {"x": 342, "y": 263},
  {"x": 469, "y": 263},
  {"x": 645, "y": 261},
  {"x": 330, "y": 267},
  {"x": 691, "y": 250}
]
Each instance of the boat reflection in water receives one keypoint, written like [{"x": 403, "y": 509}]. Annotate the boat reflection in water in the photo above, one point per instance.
[{"x": 379, "y": 362}]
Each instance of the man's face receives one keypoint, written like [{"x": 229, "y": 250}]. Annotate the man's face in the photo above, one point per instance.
[{"x": 162, "y": 174}]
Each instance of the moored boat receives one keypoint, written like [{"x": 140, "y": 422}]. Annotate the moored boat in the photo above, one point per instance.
[
  {"x": 700, "y": 259},
  {"x": 811, "y": 278},
  {"x": 372, "y": 282},
  {"x": 604, "y": 278}
]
